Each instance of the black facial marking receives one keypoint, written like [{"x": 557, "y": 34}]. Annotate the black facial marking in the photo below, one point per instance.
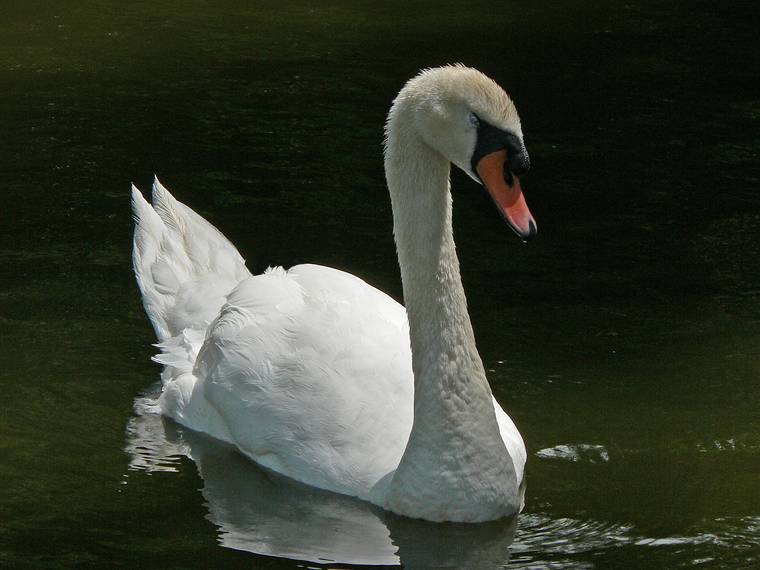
[
  {"x": 491, "y": 139},
  {"x": 508, "y": 175}
]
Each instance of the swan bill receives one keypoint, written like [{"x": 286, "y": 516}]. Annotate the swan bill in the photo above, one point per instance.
[{"x": 504, "y": 187}]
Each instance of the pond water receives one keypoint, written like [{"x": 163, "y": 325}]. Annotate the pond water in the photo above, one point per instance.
[{"x": 624, "y": 340}]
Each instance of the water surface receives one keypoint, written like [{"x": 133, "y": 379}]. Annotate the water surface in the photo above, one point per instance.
[{"x": 624, "y": 341}]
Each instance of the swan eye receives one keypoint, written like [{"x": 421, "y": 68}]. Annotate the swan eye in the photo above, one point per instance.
[{"x": 474, "y": 121}]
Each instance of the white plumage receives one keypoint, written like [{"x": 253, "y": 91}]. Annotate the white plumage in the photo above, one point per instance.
[{"x": 310, "y": 371}]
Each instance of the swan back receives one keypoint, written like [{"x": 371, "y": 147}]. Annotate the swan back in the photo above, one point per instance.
[{"x": 310, "y": 370}]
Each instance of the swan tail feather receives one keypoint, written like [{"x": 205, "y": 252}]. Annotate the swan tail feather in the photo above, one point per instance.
[
  {"x": 205, "y": 246},
  {"x": 184, "y": 266},
  {"x": 155, "y": 278}
]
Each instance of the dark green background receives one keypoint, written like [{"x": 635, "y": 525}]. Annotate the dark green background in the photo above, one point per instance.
[{"x": 633, "y": 321}]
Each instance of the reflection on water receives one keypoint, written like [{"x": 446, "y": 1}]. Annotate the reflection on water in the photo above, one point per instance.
[
  {"x": 577, "y": 452},
  {"x": 261, "y": 512},
  {"x": 256, "y": 510}
]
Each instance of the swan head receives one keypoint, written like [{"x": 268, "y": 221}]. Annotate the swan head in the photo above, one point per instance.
[{"x": 468, "y": 119}]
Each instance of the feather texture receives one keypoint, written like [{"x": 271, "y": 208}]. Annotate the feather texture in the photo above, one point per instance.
[{"x": 319, "y": 376}]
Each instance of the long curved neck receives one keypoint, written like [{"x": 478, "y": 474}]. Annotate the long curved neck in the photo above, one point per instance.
[
  {"x": 455, "y": 452},
  {"x": 445, "y": 359}
]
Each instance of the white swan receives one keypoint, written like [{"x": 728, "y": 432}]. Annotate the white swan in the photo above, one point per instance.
[{"x": 310, "y": 371}]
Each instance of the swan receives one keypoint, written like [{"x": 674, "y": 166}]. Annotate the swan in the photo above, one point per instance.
[{"x": 315, "y": 374}]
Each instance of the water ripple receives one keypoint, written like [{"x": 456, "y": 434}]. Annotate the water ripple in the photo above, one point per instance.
[
  {"x": 148, "y": 447},
  {"x": 576, "y": 453},
  {"x": 254, "y": 511},
  {"x": 545, "y": 542}
]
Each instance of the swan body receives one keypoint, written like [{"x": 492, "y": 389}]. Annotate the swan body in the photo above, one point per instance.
[{"x": 317, "y": 375}]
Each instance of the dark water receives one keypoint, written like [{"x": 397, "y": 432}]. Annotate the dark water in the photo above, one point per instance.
[{"x": 624, "y": 341}]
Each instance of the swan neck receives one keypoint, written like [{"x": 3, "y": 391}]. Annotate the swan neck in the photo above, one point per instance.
[
  {"x": 455, "y": 466},
  {"x": 433, "y": 293}
]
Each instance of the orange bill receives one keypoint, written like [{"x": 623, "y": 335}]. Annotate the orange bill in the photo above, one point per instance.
[{"x": 508, "y": 198}]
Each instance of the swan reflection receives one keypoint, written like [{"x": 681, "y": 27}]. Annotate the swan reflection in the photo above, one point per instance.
[
  {"x": 259, "y": 511},
  {"x": 264, "y": 513}
]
